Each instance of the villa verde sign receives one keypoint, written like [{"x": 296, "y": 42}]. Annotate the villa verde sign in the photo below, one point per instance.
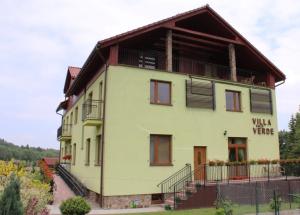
[{"x": 262, "y": 126}]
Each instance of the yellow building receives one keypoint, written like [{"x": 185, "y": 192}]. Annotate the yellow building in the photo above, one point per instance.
[{"x": 185, "y": 90}]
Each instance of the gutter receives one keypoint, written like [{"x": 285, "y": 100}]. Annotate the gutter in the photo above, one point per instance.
[
  {"x": 280, "y": 83},
  {"x": 103, "y": 124}
]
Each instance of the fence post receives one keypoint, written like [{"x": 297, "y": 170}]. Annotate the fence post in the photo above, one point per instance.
[
  {"x": 174, "y": 196},
  {"x": 268, "y": 172},
  {"x": 256, "y": 199},
  {"x": 204, "y": 174},
  {"x": 228, "y": 174},
  {"x": 249, "y": 171},
  {"x": 289, "y": 194}
]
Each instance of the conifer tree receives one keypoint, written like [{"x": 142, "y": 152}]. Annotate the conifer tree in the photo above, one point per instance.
[{"x": 10, "y": 202}]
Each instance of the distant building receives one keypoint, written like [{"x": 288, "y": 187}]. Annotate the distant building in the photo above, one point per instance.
[
  {"x": 186, "y": 89},
  {"x": 50, "y": 161}
]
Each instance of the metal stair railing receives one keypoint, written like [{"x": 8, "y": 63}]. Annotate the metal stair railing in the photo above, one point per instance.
[
  {"x": 177, "y": 176},
  {"x": 77, "y": 187}
]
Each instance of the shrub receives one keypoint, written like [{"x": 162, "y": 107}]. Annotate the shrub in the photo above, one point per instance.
[
  {"x": 10, "y": 202},
  {"x": 198, "y": 186},
  {"x": 224, "y": 207},
  {"x": 46, "y": 172},
  {"x": 276, "y": 206},
  {"x": 168, "y": 207},
  {"x": 220, "y": 211},
  {"x": 177, "y": 199},
  {"x": 75, "y": 206}
]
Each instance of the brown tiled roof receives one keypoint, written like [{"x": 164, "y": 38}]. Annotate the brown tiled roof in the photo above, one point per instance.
[
  {"x": 51, "y": 160},
  {"x": 74, "y": 71}
]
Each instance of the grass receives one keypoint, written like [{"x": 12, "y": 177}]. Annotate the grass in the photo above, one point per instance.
[{"x": 237, "y": 210}]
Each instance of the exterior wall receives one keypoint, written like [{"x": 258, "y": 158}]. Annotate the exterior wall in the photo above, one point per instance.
[
  {"x": 127, "y": 201},
  {"x": 89, "y": 175},
  {"x": 130, "y": 119}
]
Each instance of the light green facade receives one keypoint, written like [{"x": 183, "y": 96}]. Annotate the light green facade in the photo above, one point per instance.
[
  {"x": 89, "y": 175},
  {"x": 130, "y": 119}
]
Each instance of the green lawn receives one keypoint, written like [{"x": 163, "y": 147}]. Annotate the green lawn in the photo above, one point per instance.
[{"x": 237, "y": 210}]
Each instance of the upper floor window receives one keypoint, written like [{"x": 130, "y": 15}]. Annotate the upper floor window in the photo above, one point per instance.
[
  {"x": 233, "y": 101},
  {"x": 160, "y": 92},
  {"x": 160, "y": 150},
  {"x": 76, "y": 115},
  {"x": 87, "y": 151}
]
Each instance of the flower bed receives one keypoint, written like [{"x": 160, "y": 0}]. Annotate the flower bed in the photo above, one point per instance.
[{"x": 34, "y": 190}]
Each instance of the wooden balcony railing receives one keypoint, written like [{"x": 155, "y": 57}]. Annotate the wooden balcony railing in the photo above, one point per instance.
[{"x": 151, "y": 59}]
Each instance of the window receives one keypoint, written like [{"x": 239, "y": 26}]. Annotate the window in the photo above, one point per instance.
[
  {"x": 98, "y": 150},
  {"x": 200, "y": 94},
  {"x": 233, "y": 101},
  {"x": 76, "y": 115},
  {"x": 71, "y": 118},
  {"x": 87, "y": 151},
  {"x": 74, "y": 154},
  {"x": 100, "y": 90},
  {"x": 160, "y": 150},
  {"x": 237, "y": 149},
  {"x": 89, "y": 103},
  {"x": 160, "y": 92},
  {"x": 261, "y": 101}
]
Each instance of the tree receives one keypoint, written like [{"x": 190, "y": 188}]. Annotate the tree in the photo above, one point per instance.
[
  {"x": 10, "y": 202},
  {"x": 289, "y": 141}
]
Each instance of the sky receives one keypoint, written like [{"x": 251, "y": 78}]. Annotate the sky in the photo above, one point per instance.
[{"x": 40, "y": 39}]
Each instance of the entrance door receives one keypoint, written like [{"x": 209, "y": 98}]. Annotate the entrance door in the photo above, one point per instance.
[
  {"x": 199, "y": 162},
  {"x": 237, "y": 150}
]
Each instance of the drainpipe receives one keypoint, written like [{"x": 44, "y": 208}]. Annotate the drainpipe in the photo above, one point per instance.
[
  {"x": 103, "y": 124},
  {"x": 60, "y": 141}
]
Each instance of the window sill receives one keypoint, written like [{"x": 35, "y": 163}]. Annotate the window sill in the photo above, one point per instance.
[
  {"x": 167, "y": 164},
  {"x": 97, "y": 164},
  {"x": 164, "y": 104},
  {"x": 235, "y": 111}
]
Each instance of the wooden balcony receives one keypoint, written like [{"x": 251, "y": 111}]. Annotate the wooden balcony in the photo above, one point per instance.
[
  {"x": 92, "y": 113},
  {"x": 156, "y": 60}
]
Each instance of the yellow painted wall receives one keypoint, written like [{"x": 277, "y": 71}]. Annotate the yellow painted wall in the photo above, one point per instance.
[
  {"x": 130, "y": 119},
  {"x": 89, "y": 175}
]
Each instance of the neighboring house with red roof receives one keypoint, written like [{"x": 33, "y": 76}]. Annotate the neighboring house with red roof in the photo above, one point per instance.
[
  {"x": 50, "y": 161},
  {"x": 185, "y": 90}
]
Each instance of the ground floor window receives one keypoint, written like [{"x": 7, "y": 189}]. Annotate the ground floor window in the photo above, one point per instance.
[
  {"x": 237, "y": 149},
  {"x": 160, "y": 150},
  {"x": 157, "y": 198},
  {"x": 87, "y": 151},
  {"x": 98, "y": 150},
  {"x": 74, "y": 154}
]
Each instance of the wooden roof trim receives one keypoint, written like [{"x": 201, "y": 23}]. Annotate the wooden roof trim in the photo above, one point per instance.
[
  {"x": 197, "y": 33},
  {"x": 252, "y": 48},
  {"x": 168, "y": 22}
]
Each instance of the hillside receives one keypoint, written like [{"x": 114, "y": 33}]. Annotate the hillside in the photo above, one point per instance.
[{"x": 10, "y": 151}]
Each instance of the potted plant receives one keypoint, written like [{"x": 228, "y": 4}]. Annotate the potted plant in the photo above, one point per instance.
[
  {"x": 198, "y": 186},
  {"x": 212, "y": 163}
]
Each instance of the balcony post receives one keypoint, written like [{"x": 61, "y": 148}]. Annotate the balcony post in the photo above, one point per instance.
[
  {"x": 270, "y": 80},
  {"x": 169, "y": 51},
  {"x": 232, "y": 62},
  {"x": 113, "y": 55}
]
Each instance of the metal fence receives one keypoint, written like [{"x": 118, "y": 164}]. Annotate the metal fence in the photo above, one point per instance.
[{"x": 259, "y": 197}]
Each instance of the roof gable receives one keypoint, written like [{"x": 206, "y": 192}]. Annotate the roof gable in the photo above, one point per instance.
[
  {"x": 214, "y": 25},
  {"x": 71, "y": 76}
]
